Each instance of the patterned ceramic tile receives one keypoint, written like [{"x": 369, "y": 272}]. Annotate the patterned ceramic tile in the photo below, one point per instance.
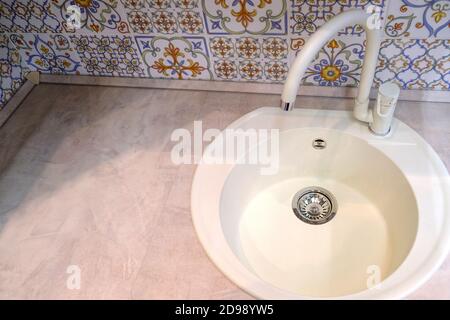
[
  {"x": 337, "y": 64},
  {"x": 308, "y": 15},
  {"x": 415, "y": 64},
  {"x": 251, "y": 70},
  {"x": 27, "y": 16},
  {"x": 225, "y": 69},
  {"x": 166, "y": 16},
  {"x": 165, "y": 22},
  {"x": 10, "y": 70},
  {"x": 108, "y": 55},
  {"x": 276, "y": 70},
  {"x": 159, "y": 4},
  {"x": 236, "y": 40},
  {"x": 190, "y": 22},
  {"x": 96, "y": 15},
  {"x": 250, "y": 58},
  {"x": 175, "y": 58},
  {"x": 248, "y": 48},
  {"x": 139, "y": 21},
  {"x": 133, "y": 4},
  {"x": 47, "y": 53},
  {"x": 418, "y": 19},
  {"x": 275, "y": 48},
  {"x": 244, "y": 16},
  {"x": 222, "y": 47},
  {"x": 186, "y": 4}
]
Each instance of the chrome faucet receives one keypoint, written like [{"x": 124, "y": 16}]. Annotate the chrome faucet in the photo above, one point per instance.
[{"x": 318, "y": 40}]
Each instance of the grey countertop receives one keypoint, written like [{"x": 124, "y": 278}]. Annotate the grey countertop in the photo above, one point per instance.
[{"x": 87, "y": 181}]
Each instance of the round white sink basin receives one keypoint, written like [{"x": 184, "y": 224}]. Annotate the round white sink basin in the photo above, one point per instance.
[
  {"x": 370, "y": 219},
  {"x": 375, "y": 224}
]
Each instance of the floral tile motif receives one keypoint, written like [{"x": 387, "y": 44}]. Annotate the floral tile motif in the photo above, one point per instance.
[
  {"x": 248, "y": 48},
  {"x": 159, "y": 4},
  {"x": 222, "y": 47},
  {"x": 418, "y": 19},
  {"x": 185, "y": 4},
  {"x": 96, "y": 15},
  {"x": 226, "y": 69},
  {"x": 165, "y": 16},
  {"x": 275, "y": 48},
  {"x": 175, "y": 58},
  {"x": 11, "y": 70},
  {"x": 47, "y": 53},
  {"x": 250, "y": 58},
  {"x": 165, "y": 22},
  {"x": 108, "y": 55},
  {"x": 415, "y": 64},
  {"x": 250, "y": 70},
  {"x": 276, "y": 70},
  {"x": 28, "y": 16},
  {"x": 337, "y": 64},
  {"x": 139, "y": 21},
  {"x": 255, "y": 17},
  {"x": 190, "y": 22},
  {"x": 308, "y": 15},
  {"x": 133, "y": 4}
]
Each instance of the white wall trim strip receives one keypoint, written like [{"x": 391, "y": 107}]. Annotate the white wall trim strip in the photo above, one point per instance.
[
  {"x": 228, "y": 86},
  {"x": 15, "y": 101}
]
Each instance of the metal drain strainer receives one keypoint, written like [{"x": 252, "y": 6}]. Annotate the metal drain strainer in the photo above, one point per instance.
[{"x": 314, "y": 205}]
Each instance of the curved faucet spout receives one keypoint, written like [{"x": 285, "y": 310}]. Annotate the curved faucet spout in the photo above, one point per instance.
[{"x": 317, "y": 41}]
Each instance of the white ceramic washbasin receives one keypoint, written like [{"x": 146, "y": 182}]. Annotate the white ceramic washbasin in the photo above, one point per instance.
[{"x": 391, "y": 225}]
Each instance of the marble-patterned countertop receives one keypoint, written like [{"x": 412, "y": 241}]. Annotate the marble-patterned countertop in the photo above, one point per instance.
[{"x": 90, "y": 183}]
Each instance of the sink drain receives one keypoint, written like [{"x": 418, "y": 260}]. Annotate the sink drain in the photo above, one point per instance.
[
  {"x": 314, "y": 205},
  {"x": 319, "y": 144}
]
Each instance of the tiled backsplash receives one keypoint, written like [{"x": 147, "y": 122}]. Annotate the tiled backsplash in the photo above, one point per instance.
[
  {"x": 11, "y": 73},
  {"x": 234, "y": 40}
]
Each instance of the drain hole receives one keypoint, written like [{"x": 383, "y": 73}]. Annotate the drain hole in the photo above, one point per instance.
[
  {"x": 319, "y": 144},
  {"x": 314, "y": 205}
]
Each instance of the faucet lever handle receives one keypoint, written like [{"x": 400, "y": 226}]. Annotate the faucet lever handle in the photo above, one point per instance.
[
  {"x": 384, "y": 109},
  {"x": 387, "y": 96}
]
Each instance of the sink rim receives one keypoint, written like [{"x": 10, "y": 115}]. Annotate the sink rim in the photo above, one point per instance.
[{"x": 216, "y": 246}]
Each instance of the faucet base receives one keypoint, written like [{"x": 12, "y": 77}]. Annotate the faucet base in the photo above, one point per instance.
[{"x": 379, "y": 134}]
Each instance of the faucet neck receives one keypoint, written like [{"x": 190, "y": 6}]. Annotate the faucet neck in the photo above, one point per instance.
[{"x": 317, "y": 41}]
